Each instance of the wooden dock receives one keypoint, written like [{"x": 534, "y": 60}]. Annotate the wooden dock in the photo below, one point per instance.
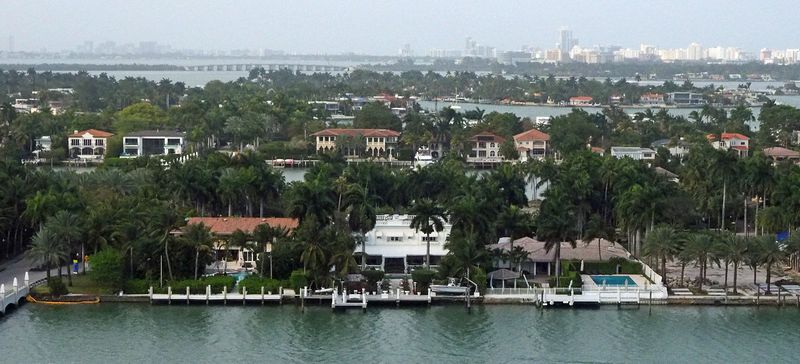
[{"x": 186, "y": 297}]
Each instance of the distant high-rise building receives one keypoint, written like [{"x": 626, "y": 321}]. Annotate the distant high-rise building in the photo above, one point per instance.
[
  {"x": 694, "y": 52},
  {"x": 406, "y": 51},
  {"x": 566, "y": 42}
]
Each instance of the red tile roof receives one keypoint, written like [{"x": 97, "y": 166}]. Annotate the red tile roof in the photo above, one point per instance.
[
  {"x": 358, "y": 132},
  {"x": 531, "y": 135},
  {"x": 94, "y": 132},
  {"x": 496, "y": 138},
  {"x": 728, "y": 136},
  {"x": 227, "y": 225},
  {"x": 740, "y": 147},
  {"x": 781, "y": 152},
  {"x": 581, "y": 98}
]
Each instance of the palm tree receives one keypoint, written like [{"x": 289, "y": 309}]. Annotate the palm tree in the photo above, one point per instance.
[
  {"x": 239, "y": 239},
  {"x": 199, "y": 236},
  {"x": 46, "y": 250},
  {"x": 556, "y": 223},
  {"x": 753, "y": 256},
  {"x": 736, "y": 254},
  {"x": 361, "y": 219},
  {"x": 428, "y": 217},
  {"x": 463, "y": 250},
  {"x": 661, "y": 244},
  {"x": 771, "y": 254},
  {"x": 702, "y": 247},
  {"x": 723, "y": 250},
  {"x": 724, "y": 166},
  {"x": 264, "y": 234},
  {"x": 66, "y": 226}
]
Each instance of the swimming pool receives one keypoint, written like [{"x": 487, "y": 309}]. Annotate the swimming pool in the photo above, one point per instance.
[{"x": 614, "y": 281}]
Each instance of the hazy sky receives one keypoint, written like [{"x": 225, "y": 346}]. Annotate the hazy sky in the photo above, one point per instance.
[{"x": 382, "y": 27}]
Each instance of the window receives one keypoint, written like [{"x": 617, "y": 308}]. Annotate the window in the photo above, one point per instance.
[
  {"x": 428, "y": 238},
  {"x": 395, "y": 238},
  {"x": 75, "y": 142},
  {"x": 481, "y": 144},
  {"x": 491, "y": 154},
  {"x": 491, "y": 145},
  {"x": 131, "y": 141},
  {"x": 173, "y": 141},
  {"x": 87, "y": 142},
  {"x": 99, "y": 142}
]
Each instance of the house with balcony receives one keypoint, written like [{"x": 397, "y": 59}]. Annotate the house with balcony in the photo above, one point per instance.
[
  {"x": 153, "y": 143},
  {"x": 358, "y": 143},
  {"x": 679, "y": 148},
  {"x": 532, "y": 144},
  {"x": 394, "y": 247},
  {"x": 652, "y": 99},
  {"x": 223, "y": 227},
  {"x": 581, "y": 100},
  {"x": 485, "y": 148},
  {"x": 727, "y": 141},
  {"x": 685, "y": 99},
  {"x": 635, "y": 153},
  {"x": 88, "y": 144}
]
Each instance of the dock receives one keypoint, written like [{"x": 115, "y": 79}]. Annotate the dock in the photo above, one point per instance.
[
  {"x": 364, "y": 299},
  {"x": 187, "y": 297}
]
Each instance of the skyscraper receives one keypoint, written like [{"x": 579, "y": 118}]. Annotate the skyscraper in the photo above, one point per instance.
[{"x": 565, "y": 42}]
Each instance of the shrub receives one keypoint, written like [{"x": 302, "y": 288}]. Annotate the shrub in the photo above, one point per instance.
[
  {"x": 254, "y": 284},
  {"x": 57, "y": 287},
  {"x": 373, "y": 276},
  {"x": 108, "y": 269},
  {"x": 139, "y": 286},
  {"x": 385, "y": 284},
  {"x": 217, "y": 283},
  {"x": 298, "y": 280},
  {"x": 405, "y": 285},
  {"x": 423, "y": 277},
  {"x": 565, "y": 280},
  {"x": 480, "y": 278}
]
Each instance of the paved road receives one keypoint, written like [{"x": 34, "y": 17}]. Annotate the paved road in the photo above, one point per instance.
[{"x": 17, "y": 268}]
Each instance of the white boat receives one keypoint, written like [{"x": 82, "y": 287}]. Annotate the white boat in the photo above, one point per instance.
[
  {"x": 423, "y": 157},
  {"x": 323, "y": 291},
  {"x": 450, "y": 288}
]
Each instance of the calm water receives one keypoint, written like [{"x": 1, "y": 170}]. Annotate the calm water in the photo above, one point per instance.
[{"x": 444, "y": 334}]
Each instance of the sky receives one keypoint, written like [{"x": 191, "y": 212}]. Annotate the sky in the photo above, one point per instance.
[{"x": 382, "y": 27}]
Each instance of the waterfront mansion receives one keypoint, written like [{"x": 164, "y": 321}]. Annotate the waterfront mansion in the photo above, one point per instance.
[
  {"x": 394, "y": 247},
  {"x": 358, "y": 143},
  {"x": 88, "y": 144}
]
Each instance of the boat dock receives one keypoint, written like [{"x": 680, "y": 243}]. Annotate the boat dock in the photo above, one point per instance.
[
  {"x": 185, "y": 296},
  {"x": 396, "y": 298}
]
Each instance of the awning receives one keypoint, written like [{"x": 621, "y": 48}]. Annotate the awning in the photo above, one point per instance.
[{"x": 503, "y": 274}]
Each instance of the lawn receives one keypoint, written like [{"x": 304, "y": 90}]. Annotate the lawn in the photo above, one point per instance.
[{"x": 81, "y": 284}]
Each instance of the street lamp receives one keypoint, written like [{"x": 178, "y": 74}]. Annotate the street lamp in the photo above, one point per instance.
[{"x": 268, "y": 249}]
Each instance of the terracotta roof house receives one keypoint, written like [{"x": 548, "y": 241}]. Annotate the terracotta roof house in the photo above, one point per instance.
[
  {"x": 580, "y": 100},
  {"x": 222, "y": 227},
  {"x": 88, "y": 144},
  {"x": 735, "y": 141},
  {"x": 542, "y": 261},
  {"x": 485, "y": 147},
  {"x": 779, "y": 154},
  {"x": 532, "y": 144},
  {"x": 376, "y": 142}
]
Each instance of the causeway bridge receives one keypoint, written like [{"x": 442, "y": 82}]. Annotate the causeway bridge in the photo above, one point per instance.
[
  {"x": 14, "y": 295},
  {"x": 246, "y": 67}
]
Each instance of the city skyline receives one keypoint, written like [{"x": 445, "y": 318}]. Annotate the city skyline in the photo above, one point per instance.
[{"x": 307, "y": 27}]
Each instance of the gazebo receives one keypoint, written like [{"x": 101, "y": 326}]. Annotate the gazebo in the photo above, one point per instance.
[{"x": 503, "y": 275}]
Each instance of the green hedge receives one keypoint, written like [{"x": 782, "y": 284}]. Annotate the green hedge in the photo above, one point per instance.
[
  {"x": 254, "y": 284},
  {"x": 565, "y": 280},
  {"x": 610, "y": 267},
  {"x": 179, "y": 286},
  {"x": 423, "y": 277},
  {"x": 298, "y": 280}
]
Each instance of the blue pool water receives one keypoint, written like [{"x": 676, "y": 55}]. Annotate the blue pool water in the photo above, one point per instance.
[{"x": 614, "y": 280}]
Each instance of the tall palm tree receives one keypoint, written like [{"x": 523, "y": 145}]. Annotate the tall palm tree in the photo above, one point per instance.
[
  {"x": 556, "y": 223},
  {"x": 265, "y": 234},
  {"x": 361, "y": 217},
  {"x": 428, "y": 217},
  {"x": 736, "y": 254},
  {"x": 238, "y": 239},
  {"x": 724, "y": 166},
  {"x": 46, "y": 250},
  {"x": 771, "y": 254},
  {"x": 661, "y": 244},
  {"x": 199, "y": 236},
  {"x": 66, "y": 225},
  {"x": 702, "y": 247},
  {"x": 464, "y": 251}
]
